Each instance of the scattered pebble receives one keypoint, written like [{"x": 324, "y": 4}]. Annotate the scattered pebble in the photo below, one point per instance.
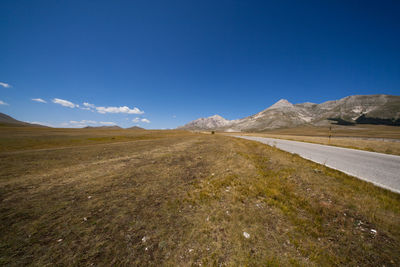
[
  {"x": 146, "y": 248},
  {"x": 373, "y": 231},
  {"x": 144, "y": 239},
  {"x": 85, "y": 219},
  {"x": 246, "y": 235},
  {"x": 89, "y": 197},
  {"x": 212, "y": 174},
  {"x": 59, "y": 240},
  {"x": 190, "y": 250}
]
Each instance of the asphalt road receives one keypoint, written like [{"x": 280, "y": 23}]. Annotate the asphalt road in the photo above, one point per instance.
[{"x": 380, "y": 169}]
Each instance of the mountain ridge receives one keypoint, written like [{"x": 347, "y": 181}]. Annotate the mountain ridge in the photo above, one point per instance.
[
  {"x": 6, "y": 120},
  {"x": 376, "y": 109}
]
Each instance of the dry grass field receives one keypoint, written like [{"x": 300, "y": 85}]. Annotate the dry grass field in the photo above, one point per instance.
[
  {"x": 150, "y": 198},
  {"x": 382, "y": 139}
]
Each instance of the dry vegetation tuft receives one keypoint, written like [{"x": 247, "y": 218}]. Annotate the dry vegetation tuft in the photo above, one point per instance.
[{"x": 120, "y": 197}]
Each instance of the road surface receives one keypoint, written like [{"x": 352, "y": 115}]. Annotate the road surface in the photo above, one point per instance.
[{"x": 380, "y": 169}]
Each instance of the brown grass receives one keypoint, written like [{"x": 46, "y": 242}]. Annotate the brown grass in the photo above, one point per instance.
[
  {"x": 177, "y": 198},
  {"x": 360, "y": 131}
]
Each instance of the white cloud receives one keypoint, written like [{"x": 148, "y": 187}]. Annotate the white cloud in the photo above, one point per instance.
[
  {"x": 83, "y": 122},
  {"x": 88, "y": 105},
  {"x": 137, "y": 119},
  {"x": 64, "y": 103},
  {"x": 39, "y": 100},
  {"x": 3, "y": 103},
  {"x": 5, "y": 85},
  {"x": 42, "y": 123},
  {"x": 124, "y": 109},
  {"x": 107, "y": 123},
  {"x": 174, "y": 116}
]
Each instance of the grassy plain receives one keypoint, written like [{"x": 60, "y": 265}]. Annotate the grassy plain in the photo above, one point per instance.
[
  {"x": 121, "y": 197},
  {"x": 375, "y": 138}
]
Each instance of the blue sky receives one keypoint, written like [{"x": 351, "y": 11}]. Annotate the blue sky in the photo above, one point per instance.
[{"x": 160, "y": 64}]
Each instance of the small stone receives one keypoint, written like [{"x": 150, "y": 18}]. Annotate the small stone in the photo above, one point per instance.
[
  {"x": 89, "y": 197},
  {"x": 190, "y": 250},
  {"x": 144, "y": 239},
  {"x": 246, "y": 235},
  {"x": 59, "y": 240},
  {"x": 85, "y": 219},
  {"x": 373, "y": 231}
]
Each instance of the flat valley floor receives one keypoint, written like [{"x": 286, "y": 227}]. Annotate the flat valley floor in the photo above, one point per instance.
[{"x": 131, "y": 197}]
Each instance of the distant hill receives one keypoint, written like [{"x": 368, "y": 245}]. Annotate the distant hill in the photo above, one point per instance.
[
  {"x": 6, "y": 120},
  {"x": 103, "y": 127},
  {"x": 135, "y": 128},
  {"x": 357, "y": 109}
]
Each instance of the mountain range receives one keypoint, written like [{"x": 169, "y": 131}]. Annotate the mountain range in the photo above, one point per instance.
[
  {"x": 6, "y": 120},
  {"x": 9, "y": 121},
  {"x": 356, "y": 109}
]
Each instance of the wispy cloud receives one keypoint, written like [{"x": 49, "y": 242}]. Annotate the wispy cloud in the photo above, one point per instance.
[
  {"x": 124, "y": 109},
  {"x": 64, "y": 103},
  {"x": 88, "y": 105},
  {"x": 42, "y": 123},
  {"x": 5, "y": 85},
  {"x": 108, "y": 123},
  {"x": 83, "y": 122},
  {"x": 3, "y": 103},
  {"x": 39, "y": 100},
  {"x": 137, "y": 120}
]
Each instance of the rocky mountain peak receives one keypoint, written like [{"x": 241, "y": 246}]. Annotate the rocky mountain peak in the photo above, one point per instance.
[
  {"x": 281, "y": 104},
  {"x": 211, "y": 122},
  {"x": 216, "y": 117}
]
